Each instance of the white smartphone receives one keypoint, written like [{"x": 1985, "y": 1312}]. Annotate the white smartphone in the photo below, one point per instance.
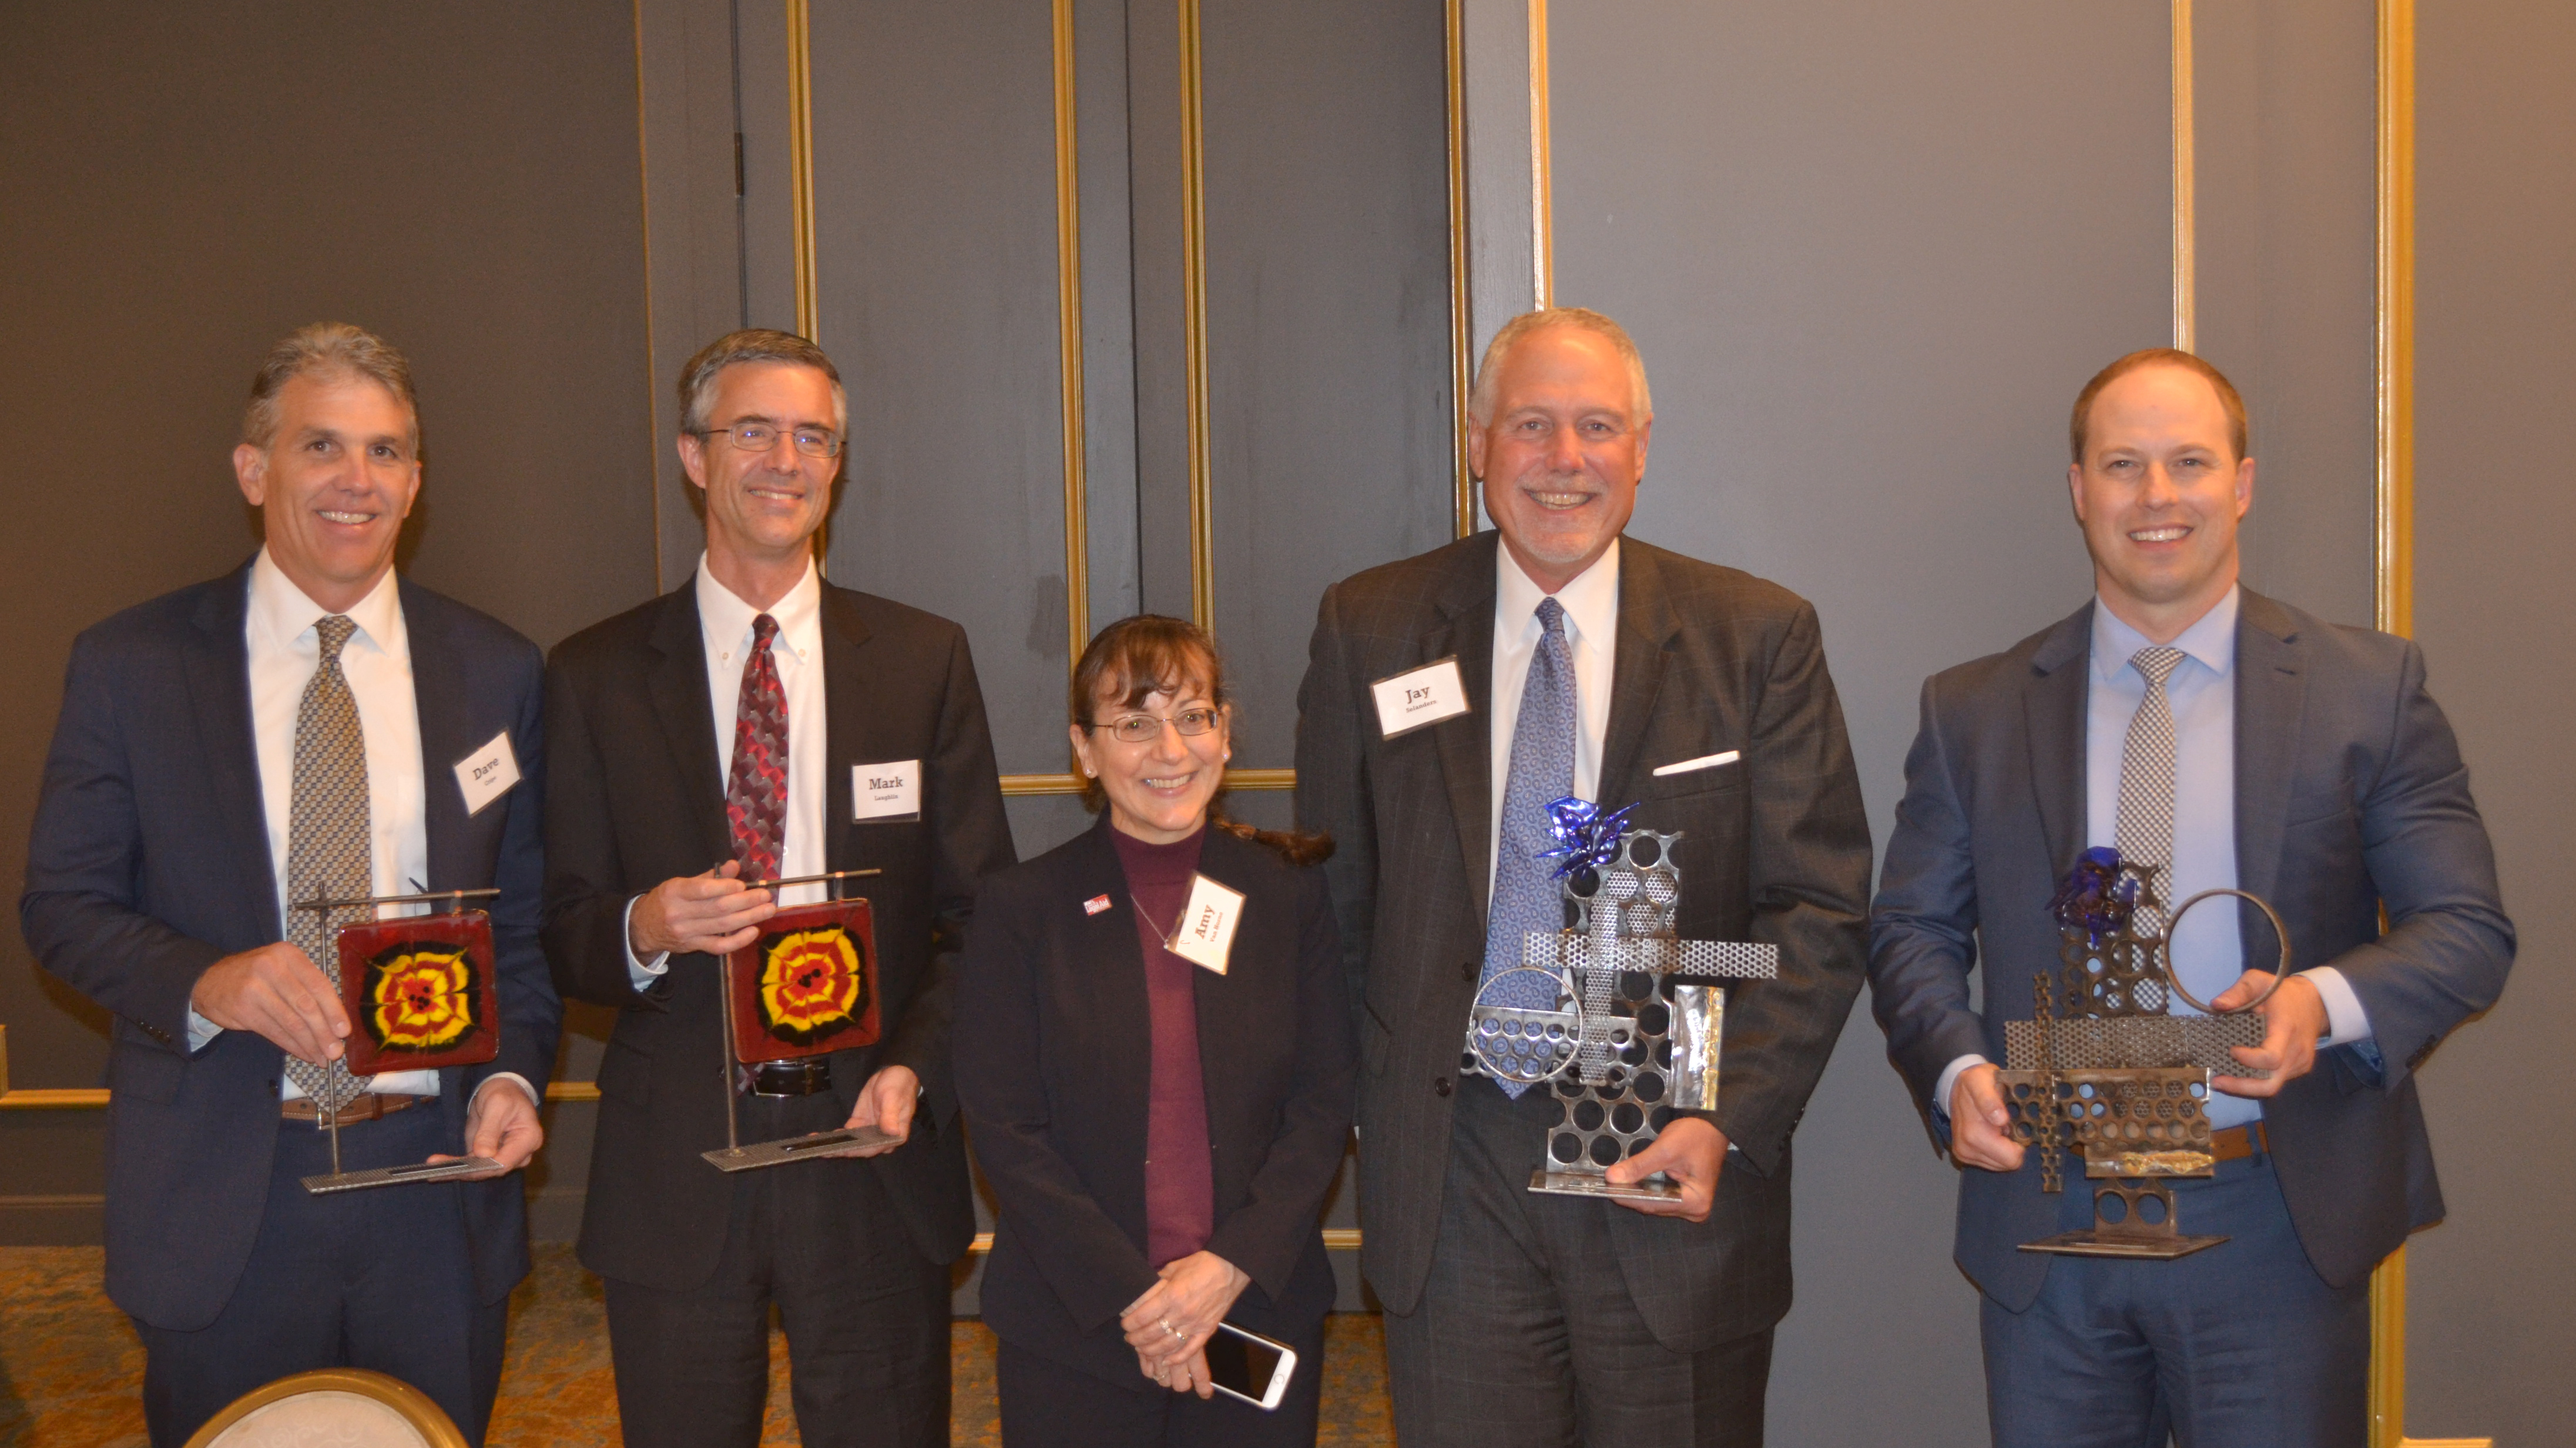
[{"x": 1249, "y": 1366}]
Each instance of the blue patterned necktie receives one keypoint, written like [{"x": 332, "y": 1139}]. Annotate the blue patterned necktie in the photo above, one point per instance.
[{"x": 1525, "y": 894}]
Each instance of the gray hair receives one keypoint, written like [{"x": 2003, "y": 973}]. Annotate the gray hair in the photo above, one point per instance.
[
  {"x": 1480, "y": 403},
  {"x": 326, "y": 348},
  {"x": 752, "y": 344}
]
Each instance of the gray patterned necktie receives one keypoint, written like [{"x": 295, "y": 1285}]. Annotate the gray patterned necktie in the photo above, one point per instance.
[
  {"x": 2144, "y": 831},
  {"x": 1542, "y": 772},
  {"x": 328, "y": 825}
]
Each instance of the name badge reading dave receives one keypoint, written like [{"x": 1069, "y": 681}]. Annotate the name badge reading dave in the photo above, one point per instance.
[
  {"x": 487, "y": 774},
  {"x": 1416, "y": 697},
  {"x": 886, "y": 793},
  {"x": 1205, "y": 934}
]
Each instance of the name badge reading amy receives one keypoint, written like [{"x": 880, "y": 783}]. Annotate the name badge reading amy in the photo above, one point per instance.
[
  {"x": 1416, "y": 697},
  {"x": 888, "y": 792},
  {"x": 1206, "y": 930},
  {"x": 487, "y": 774}
]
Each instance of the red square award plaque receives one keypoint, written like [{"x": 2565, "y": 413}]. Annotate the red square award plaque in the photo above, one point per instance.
[
  {"x": 807, "y": 985},
  {"x": 419, "y": 992}
]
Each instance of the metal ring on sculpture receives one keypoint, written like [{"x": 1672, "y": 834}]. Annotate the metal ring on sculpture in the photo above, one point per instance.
[
  {"x": 1571, "y": 1041},
  {"x": 2173, "y": 923}
]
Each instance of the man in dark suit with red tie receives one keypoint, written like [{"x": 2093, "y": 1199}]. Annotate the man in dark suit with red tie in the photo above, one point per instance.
[
  {"x": 309, "y": 725},
  {"x": 710, "y": 738}
]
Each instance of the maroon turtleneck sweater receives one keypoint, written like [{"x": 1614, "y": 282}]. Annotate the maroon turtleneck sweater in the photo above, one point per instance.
[{"x": 1180, "y": 1184}]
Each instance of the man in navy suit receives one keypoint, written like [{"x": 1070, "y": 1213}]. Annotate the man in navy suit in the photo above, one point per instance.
[
  {"x": 2234, "y": 742},
  {"x": 306, "y": 723}
]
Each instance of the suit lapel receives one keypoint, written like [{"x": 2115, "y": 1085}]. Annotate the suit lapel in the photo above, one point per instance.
[
  {"x": 2271, "y": 692},
  {"x": 1466, "y": 743},
  {"x": 438, "y": 699},
  {"x": 1114, "y": 992},
  {"x": 218, "y": 674},
  {"x": 845, "y": 717},
  {"x": 678, "y": 684},
  {"x": 1646, "y": 622},
  {"x": 2053, "y": 713}
]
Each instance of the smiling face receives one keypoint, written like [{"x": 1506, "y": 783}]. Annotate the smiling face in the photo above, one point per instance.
[
  {"x": 763, "y": 506},
  {"x": 2159, "y": 493},
  {"x": 1158, "y": 790},
  {"x": 1562, "y": 453},
  {"x": 333, "y": 484}
]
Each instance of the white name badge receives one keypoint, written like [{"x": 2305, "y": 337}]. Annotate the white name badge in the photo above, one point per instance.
[
  {"x": 886, "y": 792},
  {"x": 487, "y": 774},
  {"x": 1206, "y": 931},
  {"x": 1416, "y": 697}
]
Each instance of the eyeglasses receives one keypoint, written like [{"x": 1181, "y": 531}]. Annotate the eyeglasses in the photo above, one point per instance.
[
  {"x": 1145, "y": 728},
  {"x": 760, "y": 437}
]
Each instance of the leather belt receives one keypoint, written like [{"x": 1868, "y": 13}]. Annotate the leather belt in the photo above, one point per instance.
[
  {"x": 365, "y": 1106},
  {"x": 808, "y": 1077},
  {"x": 2238, "y": 1142}
]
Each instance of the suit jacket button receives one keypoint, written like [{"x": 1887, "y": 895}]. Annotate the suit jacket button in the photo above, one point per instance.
[
  {"x": 1467, "y": 972},
  {"x": 1439, "y": 1085}
]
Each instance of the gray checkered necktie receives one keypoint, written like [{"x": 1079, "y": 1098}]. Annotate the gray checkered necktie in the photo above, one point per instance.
[
  {"x": 2144, "y": 832},
  {"x": 328, "y": 824},
  {"x": 1525, "y": 893}
]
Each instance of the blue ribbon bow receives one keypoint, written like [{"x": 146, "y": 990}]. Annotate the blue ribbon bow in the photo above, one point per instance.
[
  {"x": 2094, "y": 898},
  {"x": 1586, "y": 839}
]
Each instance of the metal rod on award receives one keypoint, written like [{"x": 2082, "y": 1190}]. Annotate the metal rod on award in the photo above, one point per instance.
[
  {"x": 815, "y": 1145},
  {"x": 340, "y": 1180}
]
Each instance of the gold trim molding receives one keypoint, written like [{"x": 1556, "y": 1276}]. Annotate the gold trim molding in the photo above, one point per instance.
[
  {"x": 2185, "y": 186},
  {"x": 1194, "y": 322},
  {"x": 1542, "y": 143},
  {"x": 800, "y": 165},
  {"x": 1020, "y": 785},
  {"x": 1454, "y": 57},
  {"x": 1068, "y": 287}
]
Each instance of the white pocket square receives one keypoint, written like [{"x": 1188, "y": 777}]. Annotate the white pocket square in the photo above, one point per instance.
[{"x": 1705, "y": 761}]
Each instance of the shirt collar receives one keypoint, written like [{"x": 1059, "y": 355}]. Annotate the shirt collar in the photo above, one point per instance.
[
  {"x": 726, "y": 619},
  {"x": 1590, "y": 599},
  {"x": 285, "y": 614},
  {"x": 2211, "y": 640}
]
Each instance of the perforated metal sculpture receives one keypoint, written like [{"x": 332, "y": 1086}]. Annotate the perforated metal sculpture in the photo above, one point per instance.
[
  {"x": 1634, "y": 1032},
  {"x": 2116, "y": 1078}
]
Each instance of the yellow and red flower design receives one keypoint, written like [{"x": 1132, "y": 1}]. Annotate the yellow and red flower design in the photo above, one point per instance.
[
  {"x": 421, "y": 997},
  {"x": 812, "y": 984}
]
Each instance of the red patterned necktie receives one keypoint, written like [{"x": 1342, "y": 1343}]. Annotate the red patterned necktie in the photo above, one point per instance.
[{"x": 756, "y": 788}]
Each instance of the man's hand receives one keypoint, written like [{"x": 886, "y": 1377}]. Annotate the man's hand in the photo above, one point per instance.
[
  {"x": 1980, "y": 1126},
  {"x": 885, "y": 1103},
  {"x": 503, "y": 1126},
  {"x": 712, "y": 912},
  {"x": 1169, "y": 1326},
  {"x": 2294, "y": 1020},
  {"x": 277, "y": 992},
  {"x": 1691, "y": 1152}
]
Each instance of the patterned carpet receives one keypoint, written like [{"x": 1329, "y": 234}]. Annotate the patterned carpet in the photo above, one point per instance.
[{"x": 69, "y": 1364}]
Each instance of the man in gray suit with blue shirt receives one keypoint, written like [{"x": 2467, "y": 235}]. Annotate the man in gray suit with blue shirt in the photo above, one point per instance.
[{"x": 2239, "y": 743}]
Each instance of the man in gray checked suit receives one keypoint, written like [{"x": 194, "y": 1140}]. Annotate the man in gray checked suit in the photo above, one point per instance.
[
  {"x": 2235, "y": 742},
  {"x": 1589, "y": 665}
]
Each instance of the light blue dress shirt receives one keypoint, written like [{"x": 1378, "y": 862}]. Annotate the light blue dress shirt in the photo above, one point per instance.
[{"x": 2208, "y": 951}]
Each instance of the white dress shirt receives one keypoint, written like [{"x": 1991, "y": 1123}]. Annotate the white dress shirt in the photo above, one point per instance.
[
  {"x": 2208, "y": 953},
  {"x": 285, "y": 650},
  {"x": 1591, "y": 604},
  {"x": 725, "y": 622}
]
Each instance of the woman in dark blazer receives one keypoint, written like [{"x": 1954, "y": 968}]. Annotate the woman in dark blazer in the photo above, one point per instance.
[{"x": 1160, "y": 1134}]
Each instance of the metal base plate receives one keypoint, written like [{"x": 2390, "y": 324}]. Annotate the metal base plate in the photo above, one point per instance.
[
  {"x": 398, "y": 1176},
  {"x": 2092, "y": 1243},
  {"x": 1594, "y": 1184},
  {"x": 817, "y": 1146}
]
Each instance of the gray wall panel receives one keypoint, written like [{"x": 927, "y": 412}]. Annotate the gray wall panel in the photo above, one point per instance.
[
  {"x": 1328, "y": 322},
  {"x": 2489, "y": 1334},
  {"x": 934, "y": 180},
  {"x": 1870, "y": 252}
]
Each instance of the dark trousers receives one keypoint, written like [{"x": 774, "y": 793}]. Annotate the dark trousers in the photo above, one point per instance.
[
  {"x": 1526, "y": 1334},
  {"x": 2238, "y": 1346},
  {"x": 1048, "y": 1405},
  {"x": 866, "y": 1314},
  {"x": 368, "y": 1279}
]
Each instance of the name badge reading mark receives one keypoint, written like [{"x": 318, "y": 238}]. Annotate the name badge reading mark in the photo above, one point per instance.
[
  {"x": 1206, "y": 930},
  {"x": 487, "y": 774},
  {"x": 1416, "y": 697},
  {"x": 884, "y": 793}
]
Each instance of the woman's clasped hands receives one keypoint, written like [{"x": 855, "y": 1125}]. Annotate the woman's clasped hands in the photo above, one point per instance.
[{"x": 1169, "y": 1326}]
